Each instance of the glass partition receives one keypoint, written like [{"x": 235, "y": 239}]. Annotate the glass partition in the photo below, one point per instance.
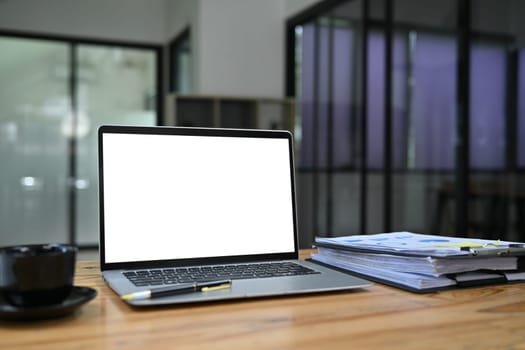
[
  {"x": 34, "y": 105},
  {"x": 53, "y": 96},
  {"x": 443, "y": 123},
  {"x": 115, "y": 86},
  {"x": 495, "y": 194}
]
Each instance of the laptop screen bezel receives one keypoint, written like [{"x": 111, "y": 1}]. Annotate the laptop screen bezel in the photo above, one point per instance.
[{"x": 158, "y": 130}]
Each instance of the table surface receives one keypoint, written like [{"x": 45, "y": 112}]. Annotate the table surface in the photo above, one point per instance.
[{"x": 375, "y": 317}]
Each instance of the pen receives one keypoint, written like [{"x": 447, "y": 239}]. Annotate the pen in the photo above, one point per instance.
[{"x": 182, "y": 289}]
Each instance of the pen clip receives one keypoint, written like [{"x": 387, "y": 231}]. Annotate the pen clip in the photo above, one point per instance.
[
  {"x": 225, "y": 284},
  {"x": 219, "y": 287}
]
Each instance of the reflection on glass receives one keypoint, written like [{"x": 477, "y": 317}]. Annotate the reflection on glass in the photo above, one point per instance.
[
  {"x": 424, "y": 133},
  {"x": 116, "y": 86},
  {"x": 434, "y": 80},
  {"x": 495, "y": 200},
  {"x": 38, "y": 125},
  {"x": 488, "y": 85},
  {"x": 426, "y": 125},
  {"x": 328, "y": 91},
  {"x": 33, "y": 149}
]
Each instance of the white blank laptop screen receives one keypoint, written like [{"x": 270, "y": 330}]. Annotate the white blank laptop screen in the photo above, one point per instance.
[{"x": 177, "y": 197}]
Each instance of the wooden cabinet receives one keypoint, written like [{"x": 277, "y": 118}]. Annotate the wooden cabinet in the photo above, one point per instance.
[{"x": 230, "y": 112}]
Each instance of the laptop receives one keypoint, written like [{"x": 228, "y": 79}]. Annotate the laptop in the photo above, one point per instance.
[{"x": 180, "y": 206}]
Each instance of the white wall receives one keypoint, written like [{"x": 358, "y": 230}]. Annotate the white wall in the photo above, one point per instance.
[
  {"x": 241, "y": 48},
  {"x": 294, "y": 7},
  {"x": 238, "y": 46},
  {"x": 126, "y": 20}
]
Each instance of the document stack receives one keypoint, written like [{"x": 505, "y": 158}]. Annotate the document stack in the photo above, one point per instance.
[{"x": 423, "y": 263}]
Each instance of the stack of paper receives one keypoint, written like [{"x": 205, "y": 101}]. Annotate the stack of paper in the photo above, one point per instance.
[{"x": 419, "y": 261}]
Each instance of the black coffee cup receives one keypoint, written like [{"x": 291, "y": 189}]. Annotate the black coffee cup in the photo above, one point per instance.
[{"x": 37, "y": 275}]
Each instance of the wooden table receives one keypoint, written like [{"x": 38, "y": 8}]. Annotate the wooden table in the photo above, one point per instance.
[{"x": 376, "y": 317}]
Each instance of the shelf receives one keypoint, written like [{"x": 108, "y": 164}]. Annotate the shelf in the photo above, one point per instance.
[{"x": 230, "y": 112}]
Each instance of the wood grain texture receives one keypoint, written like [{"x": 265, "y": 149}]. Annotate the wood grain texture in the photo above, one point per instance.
[{"x": 373, "y": 318}]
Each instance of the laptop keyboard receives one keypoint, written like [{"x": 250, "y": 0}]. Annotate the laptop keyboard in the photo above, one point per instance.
[{"x": 157, "y": 277}]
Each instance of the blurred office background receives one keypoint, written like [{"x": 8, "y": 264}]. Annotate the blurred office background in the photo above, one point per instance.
[{"x": 407, "y": 114}]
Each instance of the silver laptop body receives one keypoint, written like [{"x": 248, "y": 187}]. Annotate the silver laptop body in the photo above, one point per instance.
[{"x": 174, "y": 197}]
